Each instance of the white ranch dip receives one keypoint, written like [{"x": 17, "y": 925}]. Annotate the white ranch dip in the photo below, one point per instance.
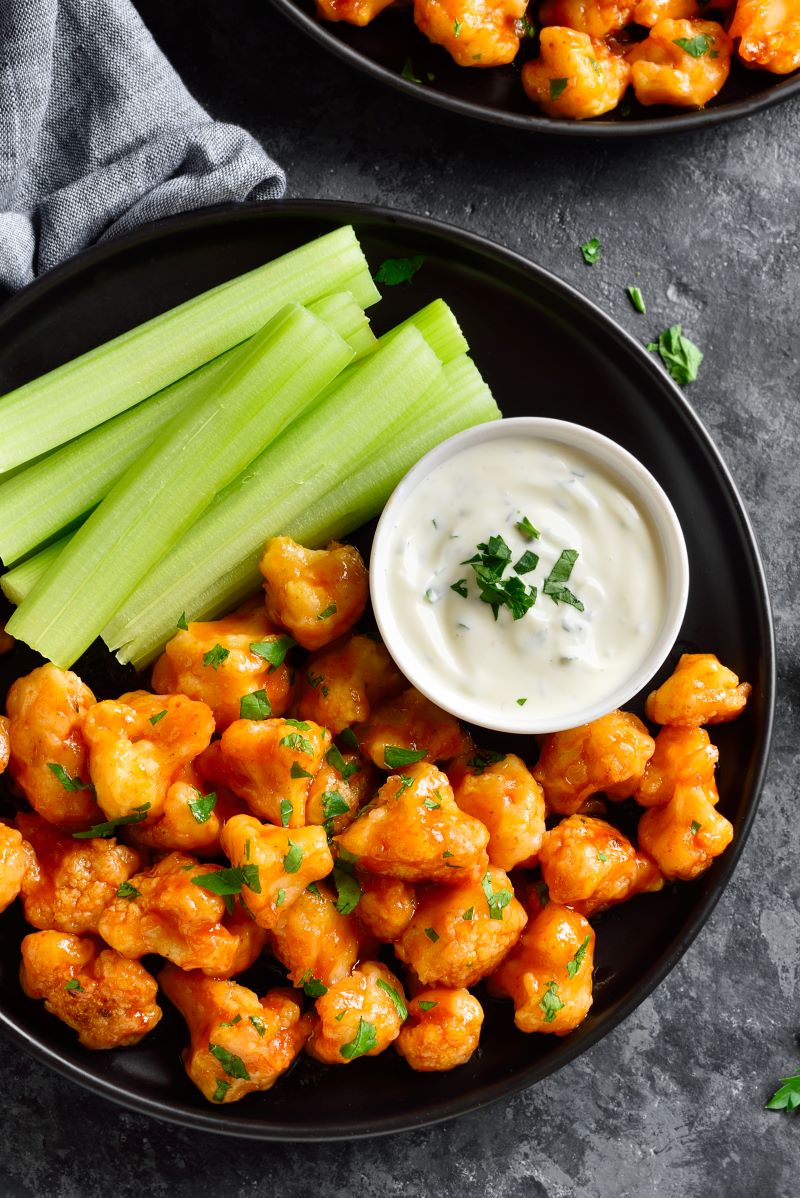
[{"x": 556, "y": 658}]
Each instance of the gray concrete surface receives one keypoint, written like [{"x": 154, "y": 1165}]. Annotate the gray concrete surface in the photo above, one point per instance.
[{"x": 670, "y": 1103}]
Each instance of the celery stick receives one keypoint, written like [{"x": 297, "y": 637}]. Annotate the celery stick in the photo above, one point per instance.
[
  {"x": 265, "y": 384},
  {"x": 343, "y": 313},
  {"x": 438, "y": 326},
  {"x": 16, "y": 584},
  {"x": 114, "y": 376}
]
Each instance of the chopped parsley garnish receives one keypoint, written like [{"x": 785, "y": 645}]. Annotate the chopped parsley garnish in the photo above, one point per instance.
[
  {"x": 127, "y": 891},
  {"x": 695, "y": 827},
  {"x": 529, "y": 561},
  {"x": 182, "y": 622},
  {"x": 338, "y": 763},
  {"x": 527, "y": 529},
  {"x": 297, "y": 771},
  {"x": 258, "y": 1024},
  {"x": 405, "y": 781},
  {"x": 312, "y": 986},
  {"x": 73, "y": 984},
  {"x": 395, "y": 757},
  {"x": 407, "y": 73},
  {"x": 312, "y": 888},
  {"x": 575, "y": 963},
  {"x": 348, "y": 738},
  {"x": 542, "y": 892},
  {"x": 402, "y": 1009},
  {"x": 483, "y": 759},
  {"x": 255, "y": 706},
  {"x": 681, "y": 356},
  {"x": 364, "y": 1041},
  {"x": 522, "y": 702},
  {"x": 432, "y": 935},
  {"x": 637, "y": 299},
  {"x": 216, "y": 656},
  {"x": 329, "y": 611},
  {"x": 787, "y": 1098},
  {"x": 456, "y": 27},
  {"x": 695, "y": 46},
  {"x": 293, "y": 740},
  {"x": 202, "y": 807},
  {"x": 333, "y": 804},
  {"x": 158, "y": 717},
  {"x": 286, "y": 812},
  {"x": 489, "y": 564},
  {"x": 550, "y": 1003},
  {"x": 279, "y": 898},
  {"x": 591, "y": 248},
  {"x": 469, "y": 914},
  {"x": 496, "y": 899},
  {"x": 302, "y": 725},
  {"x": 460, "y": 587},
  {"x": 222, "y": 1089},
  {"x": 524, "y": 27},
  {"x": 557, "y": 87},
  {"x": 432, "y": 805},
  {"x": 554, "y": 583},
  {"x": 228, "y": 882},
  {"x": 232, "y": 1022},
  {"x": 294, "y": 858},
  {"x": 348, "y": 889},
  {"x": 601, "y": 856},
  {"x": 68, "y": 782},
  {"x": 109, "y": 827},
  {"x": 234, "y": 1066},
  {"x": 273, "y": 651},
  {"x": 399, "y": 270}
]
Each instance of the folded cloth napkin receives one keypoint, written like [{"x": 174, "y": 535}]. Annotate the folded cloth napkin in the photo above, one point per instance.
[{"x": 98, "y": 135}]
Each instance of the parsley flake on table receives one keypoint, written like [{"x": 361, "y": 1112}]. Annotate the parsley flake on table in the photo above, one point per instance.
[
  {"x": 410, "y": 76},
  {"x": 695, "y": 46},
  {"x": 400, "y": 1006},
  {"x": 787, "y": 1097},
  {"x": 234, "y": 1066},
  {"x": 681, "y": 356},
  {"x": 255, "y": 706},
  {"x": 399, "y": 270},
  {"x": 557, "y": 86},
  {"x": 273, "y": 651},
  {"x": 574, "y": 964},
  {"x": 109, "y": 827},
  {"x": 591, "y": 248},
  {"x": 550, "y": 1003},
  {"x": 216, "y": 656},
  {"x": 395, "y": 757},
  {"x": 637, "y": 299},
  {"x": 202, "y": 807},
  {"x": 68, "y": 782},
  {"x": 554, "y": 583},
  {"x": 496, "y": 900},
  {"x": 363, "y": 1042}
]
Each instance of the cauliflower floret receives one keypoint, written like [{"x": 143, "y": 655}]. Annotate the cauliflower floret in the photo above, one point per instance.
[
  {"x": 461, "y": 933},
  {"x": 342, "y": 683},
  {"x": 355, "y": 12},
  {"x": 508, "y": 801},
  {"x": 359, "y": 1016},
  {"x": 138, "y": 746},
  {"x": 413, "y": 830},
  {"x": 683, "y": 63},
  {"x": 277, "y": 864},
  {"x": 16, "y": 859},
  {"x": 69, "y": 883},
  {"x": 239, "y": 1043},
  {"x": 443, "y": 1030},
  {"x": 595, "y": 17},
  {"x": 770, "y": 33},
  {"x": 589, "y": 865},
  {"x": 575, "y": 75},
  {"x": 336, "y": 794},
  {"x": 109, "y": 1001},
  {"x": 407, "y": 725},
  {"x": 609, "y": 755},
  {"x": 386, "y": 907},
  {"x": 5, "y": 743},
  {"x": 685, "y": 835},
  {"x": 700, "y": 690},
  {"x": 650, "y": 12},
  {"x": 475, "y": 33},
  {"x": 318, "y": 945},
  {"x": 191, "y": 818},
  {"x": 318, "y": 594},
  {"x": 48, "y": 761},
  {"x": 683, "y": 757},
  {"x": 222, "y": 661},
  {"x": 549, "y": 973}
]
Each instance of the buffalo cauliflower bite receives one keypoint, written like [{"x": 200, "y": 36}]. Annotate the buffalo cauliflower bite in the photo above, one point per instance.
[
  {"x": 355, "y": 12},
  {"x": 442, "y": 1031},
  {"x": 589, "y": 865},
  {"x": 414, "y": 830},
  {"x": 48, "y": 760},
  {"x": 459, "y": 934},
  {"x": 191, "y": 818},
  {"x": 575, "y": 75},
  {"x": 316, "y": 943},
  {"x": 110, "y": 1002},
  {"x": 683, "y": 63},
  {"x": 475, "y": 33},
  {"x": 595, "y": 17},
  {"x": 317, "y": 594},
  {"x": 508, "y": 801},
  {"x": 548, "y": 976},
  {"x": 685, "y": 834},
  {"x": 700, "y": 690},
  {"x": 16, "y": 859},
  {"x": 5, "y": 744},
  {"x": 608, "y": 755},
  {"x": 138, "y": 746},
  {"x": 342, "y": 683},
  {"x": 239, "y": 1043},
  {"x": 336, "y": 794},
  {"x": 221, "y": 661},
  {"x": 69, "y": 883},
  {"x": 650, "y": 12},
  {"x": 386, "y": 906},
  {"x": 683, "y": 757},
  {"x": 359, "y": 1016},
  {"x": 276, "y": 864},
  {"x": 411, "y": 724},
  {"x": 770, "y": 34}
]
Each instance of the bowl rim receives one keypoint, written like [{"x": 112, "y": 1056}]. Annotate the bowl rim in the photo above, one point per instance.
[
  {"x": 682, "y": 121},
  {"x": 616, "y": 461}
]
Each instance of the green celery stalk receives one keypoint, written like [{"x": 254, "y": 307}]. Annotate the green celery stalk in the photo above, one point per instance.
[
  {"x": 265, "y": 384},
  {"x": 111, "y": 378},
  {"x": 18, "y": 583},
  {"x": 438, "y": 326},
  {"x": 343, "y": 313}
]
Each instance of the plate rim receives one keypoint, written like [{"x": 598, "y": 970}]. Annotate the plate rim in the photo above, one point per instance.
[{"x": 352, "y": 212}]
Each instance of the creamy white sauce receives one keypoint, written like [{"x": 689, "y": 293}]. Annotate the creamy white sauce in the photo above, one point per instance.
[{"x": 555, "y": 657}]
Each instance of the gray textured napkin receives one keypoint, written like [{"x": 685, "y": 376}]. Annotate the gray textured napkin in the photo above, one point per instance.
[{"x": 98, "y": 135}]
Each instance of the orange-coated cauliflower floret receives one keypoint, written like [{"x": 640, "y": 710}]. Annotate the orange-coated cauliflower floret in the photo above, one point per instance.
[
  {"x": 239, "y": 1043},
  {"x": 700, "y": 690},
  {"x": 386, "y": 906},
  {"x": 410, "y": 728},
  {"x": 222, "y": 661},
  {"x": 109, "y": 1001},
  {"x": 317, "y": 594},
  {"x": 339, "y": 790},
  {"x": 575, "y": 75},
  {"x": 5, "y": 743},
  {"x": 342, "y": 683},
  {"x": 683, "y": 63},
  {"x": 413, "y": 830},
  {"x": 589, "y": 865},
  {"x": 685, "y": 835},
  {"x": 355, "y": 12},
  {"x": 317, "y": 944},
  {"x": 475, "y": 33},
  {"x": 276, "y": 863},
  {"x": 138, "y": 746},
  {"x": 443, "y": 1030},
  {"x": 191, "y": 818},
  {"x": 48, "y": 762},
  {"x": 459, "y": 934},
  {"x": 609, "y": 755},
  {"x": 650, "y": 12},
  {"x": 16, "y": 858},
  {"x": 358, "y": 1016},
  {"x": 770, "y": 33},
  {"x": 595, "y": 17},
  {"x": 508, "y": 801},
  {"x": 70, "y": 882},
  {"x": 549, "y": 973},
  {"x": 683, "y": 757}
]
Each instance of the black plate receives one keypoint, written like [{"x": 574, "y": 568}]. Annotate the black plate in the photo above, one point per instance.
[
  {"x": 384, "y": 47},
  {"x": 547, "y": 351}
]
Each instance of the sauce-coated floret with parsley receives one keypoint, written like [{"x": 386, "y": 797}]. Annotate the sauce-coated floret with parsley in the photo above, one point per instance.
[
  {"x": 386, "y": 906},
  {"x": 459, "y": 934},
  {"x": 683, "y": 63},
  {"x": 16, "y": 858},
  {"x": 316, "y": 942},
  {"x": 609, "y": 755},
  {"x": 589, "y": 865},
  {"x": 595, "y": 17},
  {"x": 355, "y": 12},
  {"x": 222, "y": 661},
  {"x": 650, "y": 12},
  {"x": 410, "y": 728},
  {"x": 684, "y": 835},
  {"x": 315, "y": 594},
  {"x": 683, "y": 757},
  {"x": 700, "y": 690},
  {"x": 239, "y": 1043},
  {"x": 339, "y": 685},
  {"x": 508, "y": 800},
  {"x": 770, "y": 34},
  {"x": 109, "y": 1001},
  {"x": 443, "y": 1030},
  {"x": 413, "y": 830},
  {"x": 341, "y": 786},
  {"x": 475, "y": 33},
  {"x": 548, "y": 975},
  {"x": 575, "y": 75},
  {"x": 48, "y": 755},
  {"x": 358, "y": 1016},
  {"x": 191, "y": 819}
]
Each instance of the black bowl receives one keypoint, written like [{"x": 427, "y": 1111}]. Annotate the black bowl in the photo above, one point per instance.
[
  {"x": 545, "y": 350},
  {"x": 383, "y": 48}
]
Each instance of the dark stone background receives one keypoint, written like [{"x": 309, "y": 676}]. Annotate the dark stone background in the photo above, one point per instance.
[{"x": 670, "y": 1103}]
